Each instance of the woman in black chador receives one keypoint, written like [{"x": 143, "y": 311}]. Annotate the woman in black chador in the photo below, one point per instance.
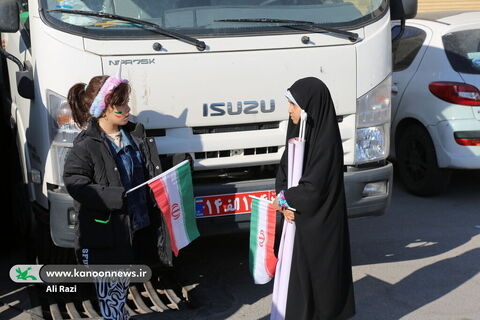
[{"x": 320, "y": 284}]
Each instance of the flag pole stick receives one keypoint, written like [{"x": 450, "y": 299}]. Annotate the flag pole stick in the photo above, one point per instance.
[
  {"x": 258, "y": 198},
  {"x": 157, "y": 177},
  {"x": 303, "y": 125}
]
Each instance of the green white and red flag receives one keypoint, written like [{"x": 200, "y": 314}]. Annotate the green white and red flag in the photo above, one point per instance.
[
  {"x": 173, "y": 192},
  {"x": 262, "y": 238}
]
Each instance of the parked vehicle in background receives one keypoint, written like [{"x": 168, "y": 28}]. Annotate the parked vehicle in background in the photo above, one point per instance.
[{"x": 436, "y": 99}]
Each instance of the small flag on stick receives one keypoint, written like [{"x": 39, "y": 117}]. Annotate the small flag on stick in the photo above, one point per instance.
[
  {"x": 173, "y": 192},
  {"x": 262, "y": 238}
]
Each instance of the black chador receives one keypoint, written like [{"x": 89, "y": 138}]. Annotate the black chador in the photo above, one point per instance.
[{"x": 320, "y": 284}]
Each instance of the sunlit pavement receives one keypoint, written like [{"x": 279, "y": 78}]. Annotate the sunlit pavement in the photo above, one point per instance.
[{"x": 421, "y": 260}]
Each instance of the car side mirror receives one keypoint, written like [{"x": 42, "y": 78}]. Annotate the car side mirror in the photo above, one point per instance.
[
  {"x": 403, "y": 9},
  {"x": 9, "y": 16}
]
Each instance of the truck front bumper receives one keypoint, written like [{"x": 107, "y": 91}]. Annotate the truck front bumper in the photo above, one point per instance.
[
  {"x": 361, "y": 204},
  {"x": 62, "y": 213},
  {"x": 358, "y": 203}
]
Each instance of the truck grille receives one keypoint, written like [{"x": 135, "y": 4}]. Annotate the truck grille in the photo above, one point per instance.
[
  {"x": 155, "y": 132},
  {"x": 236, "y": 127},
  {"x": 231, "y": 153}
]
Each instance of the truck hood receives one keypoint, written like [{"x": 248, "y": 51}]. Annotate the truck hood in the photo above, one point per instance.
[{"x": 229, "y": 87}]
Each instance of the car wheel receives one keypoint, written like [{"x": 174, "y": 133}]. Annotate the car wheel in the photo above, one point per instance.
[{"x": 417, "y": 163}]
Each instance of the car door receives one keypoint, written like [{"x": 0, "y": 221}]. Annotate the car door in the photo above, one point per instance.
[{"x": 407, "y": 53}]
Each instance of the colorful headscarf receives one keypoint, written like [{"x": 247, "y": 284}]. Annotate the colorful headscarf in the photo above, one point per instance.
[{"x": 98, "y": 104}]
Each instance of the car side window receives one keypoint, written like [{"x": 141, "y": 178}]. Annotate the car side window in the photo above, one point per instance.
[
  {"x": 405, "y": 49},
  {"x": 463, "y": 50}
]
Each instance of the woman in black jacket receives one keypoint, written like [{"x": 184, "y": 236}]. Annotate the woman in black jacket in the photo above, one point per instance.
[{"x": 110, "y": 156}]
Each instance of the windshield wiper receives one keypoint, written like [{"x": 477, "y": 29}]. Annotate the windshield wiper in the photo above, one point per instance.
[
  {"x": 200, "y": 45},
  {"x": 298, "y": 24}
]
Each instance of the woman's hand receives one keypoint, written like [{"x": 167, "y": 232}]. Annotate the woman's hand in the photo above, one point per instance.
[
  {"x": 276, "y": 206},
  {"x": 288, "y": 214}
]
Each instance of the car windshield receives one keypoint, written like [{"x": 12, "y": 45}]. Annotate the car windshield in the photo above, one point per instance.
[
  {"x": 198, "y": 17},
  {"x": 463, "y": 50}
]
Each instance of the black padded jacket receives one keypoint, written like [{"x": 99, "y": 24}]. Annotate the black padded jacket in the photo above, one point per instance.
[{"x": 92, "y": 179}]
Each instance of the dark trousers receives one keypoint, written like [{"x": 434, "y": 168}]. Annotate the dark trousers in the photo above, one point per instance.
[{"x": 112, "y": 292}]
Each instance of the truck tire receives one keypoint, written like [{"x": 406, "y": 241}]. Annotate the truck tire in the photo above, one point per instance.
[{"x": 417, "y": 163}]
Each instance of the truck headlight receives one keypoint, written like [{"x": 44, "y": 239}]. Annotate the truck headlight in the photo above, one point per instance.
[
  {"x": 373, "y": 123},
  {"x": 372, "y": 143},
  {"x": 63, "y": 131}
]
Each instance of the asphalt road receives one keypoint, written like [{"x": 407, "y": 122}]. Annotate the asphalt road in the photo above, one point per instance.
[{"x": 421, "y": 260}]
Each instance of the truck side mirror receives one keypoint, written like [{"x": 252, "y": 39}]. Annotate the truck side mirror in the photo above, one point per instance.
[
  {"x": 25, "y": 83},
  {"x": 403, "y": 9},
  {"x": 9, "y": 16}
]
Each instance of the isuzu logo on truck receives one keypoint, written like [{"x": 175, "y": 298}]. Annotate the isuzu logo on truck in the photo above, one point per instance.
[{"x": 245, "y": 107}]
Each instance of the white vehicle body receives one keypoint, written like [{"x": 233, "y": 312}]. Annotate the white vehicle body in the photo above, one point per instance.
[
  {"x": 180, "y": 93},
  {"x": 412, "y": 99}
]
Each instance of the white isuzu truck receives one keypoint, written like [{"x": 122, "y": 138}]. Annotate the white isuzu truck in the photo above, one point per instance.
[{"x": 208, "y": 81}]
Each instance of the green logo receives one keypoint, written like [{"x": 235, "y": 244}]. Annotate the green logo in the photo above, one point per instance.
[{"x": 23, "y": 275}]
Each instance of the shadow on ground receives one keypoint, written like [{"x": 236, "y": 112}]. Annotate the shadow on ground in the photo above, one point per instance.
[
  {"x": 416, "y": 228},
  {"x": 411, "y": 229}
]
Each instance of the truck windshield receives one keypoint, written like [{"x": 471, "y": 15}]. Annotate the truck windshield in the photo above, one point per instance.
[{"x": 200, "y": 17}]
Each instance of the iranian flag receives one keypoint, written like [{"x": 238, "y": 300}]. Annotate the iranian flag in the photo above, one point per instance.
[
  {"x": 173, "y": 192},
  {"x": 262, "y": 238}
]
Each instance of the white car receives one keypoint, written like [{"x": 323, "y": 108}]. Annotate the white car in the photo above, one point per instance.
[{"x": 436, "y": 99}]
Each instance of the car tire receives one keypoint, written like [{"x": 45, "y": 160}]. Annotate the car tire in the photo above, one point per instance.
[{"x": 417, "y": 163}]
